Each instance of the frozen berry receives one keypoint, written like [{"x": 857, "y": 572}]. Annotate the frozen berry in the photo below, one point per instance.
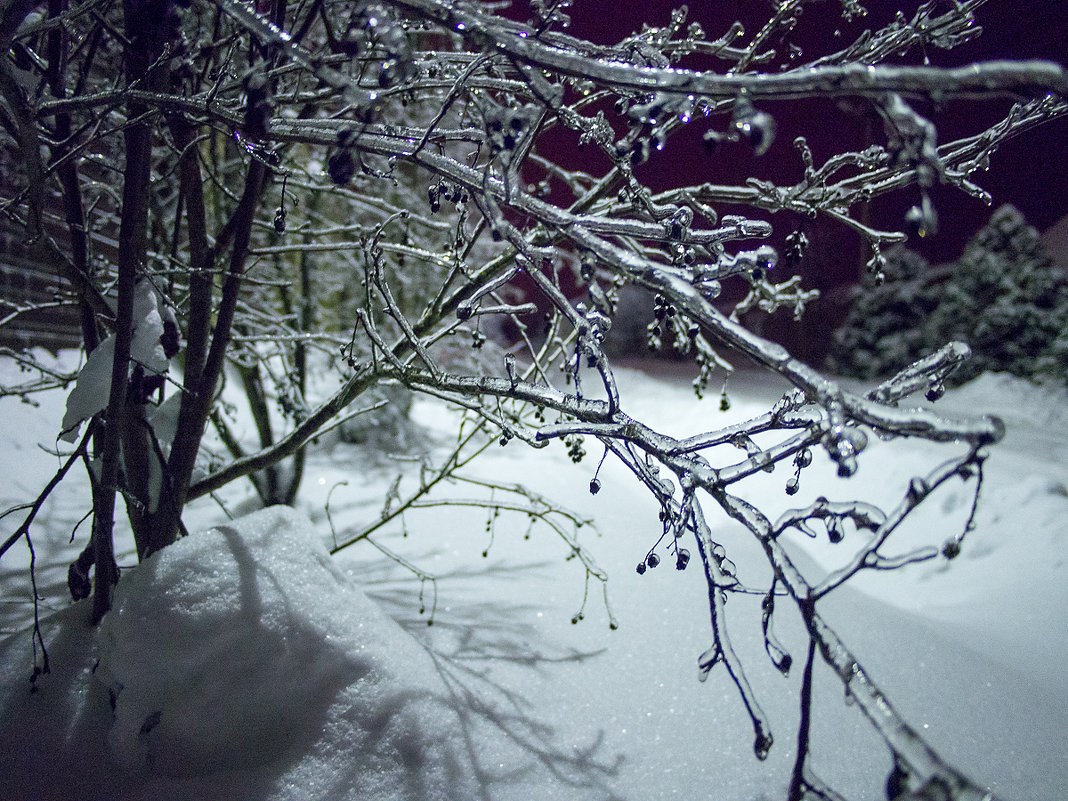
[
  {"x": 921, "y": 221},
  {"x": 341, "y": 167},
  {"x": 758, "y": 130}
]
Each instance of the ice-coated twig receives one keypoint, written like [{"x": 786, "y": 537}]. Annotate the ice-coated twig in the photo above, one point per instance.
[
  {"x": 721, "y": 649},
  {"x": 855, "y": 79},
  {"x": 923, "y": 765}
]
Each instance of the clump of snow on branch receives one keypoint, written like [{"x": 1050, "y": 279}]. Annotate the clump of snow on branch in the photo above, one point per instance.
[{"x": 93, "y": 387}]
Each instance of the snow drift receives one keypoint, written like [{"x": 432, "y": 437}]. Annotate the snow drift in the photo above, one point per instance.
[
  {"x": 244, "y": 666},
  {"x": 236, "y": 661}
]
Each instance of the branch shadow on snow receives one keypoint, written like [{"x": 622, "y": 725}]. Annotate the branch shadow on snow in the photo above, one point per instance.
[
  {"x": 492, "y": 662},
  {"x": 241, "y": 663},
  {"x": 59, "y": 533}
]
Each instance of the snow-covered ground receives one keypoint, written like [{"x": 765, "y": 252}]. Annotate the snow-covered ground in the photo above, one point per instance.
[{"x": 245, "y": 663}]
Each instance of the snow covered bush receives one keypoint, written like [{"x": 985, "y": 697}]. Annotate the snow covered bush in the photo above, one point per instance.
[
  {"x": 888, "y": 324},
  {"x": 1007, "y": 301},
  {"x": 320, "y": 198},
  {"x": 1003, "y": 297}
]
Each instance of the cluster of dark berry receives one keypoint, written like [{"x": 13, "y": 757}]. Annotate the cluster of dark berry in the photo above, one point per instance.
[
  {"x": 682, "y": 559},
  {"x": 663, "y": 312},
  {"x": 796, "y": 245},
  {"x": 447, "y": 191},
  {"x": 505, "y": 129}
]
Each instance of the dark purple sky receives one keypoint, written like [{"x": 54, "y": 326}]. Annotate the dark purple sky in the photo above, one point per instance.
[{"x": 1030, "y": 172}]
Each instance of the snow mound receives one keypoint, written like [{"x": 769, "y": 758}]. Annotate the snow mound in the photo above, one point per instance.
[
  {"x": 240, "y": 663},
  {"x": 242, "y": 645}
]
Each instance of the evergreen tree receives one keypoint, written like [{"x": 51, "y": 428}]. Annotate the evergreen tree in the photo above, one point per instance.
[{"x": 1004, "y": 298}]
